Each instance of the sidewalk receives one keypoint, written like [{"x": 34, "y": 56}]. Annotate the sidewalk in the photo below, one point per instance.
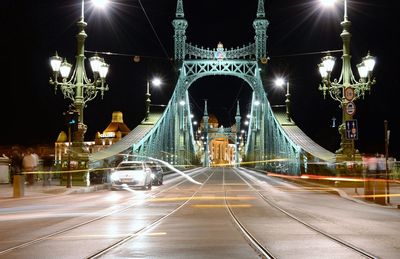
[
  {"x": 354, "y": 192},
  {"x": 374, "y": 194},
  {"x": 358, "y": 194},
  {"x": 38, "y": 190}
]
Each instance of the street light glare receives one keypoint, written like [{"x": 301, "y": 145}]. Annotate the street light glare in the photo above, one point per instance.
[
  {"x": 156, "y": 82},
  {"x": 100, "y": 3},
  {"x": 279, "y": 82},
  {"x": 328, "y": 3}
]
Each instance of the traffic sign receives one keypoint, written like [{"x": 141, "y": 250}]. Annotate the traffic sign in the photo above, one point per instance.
[
  {"x": 349, "y": 94},
  {"x": 351, "y": 129},
  {"x": 350, "y": 108}
]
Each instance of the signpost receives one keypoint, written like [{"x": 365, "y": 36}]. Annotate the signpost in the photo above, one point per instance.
[
  {"x": 350, "y": 108},
  {"x": 349, "y": 94},
  {"x": 351, "y": 130}
]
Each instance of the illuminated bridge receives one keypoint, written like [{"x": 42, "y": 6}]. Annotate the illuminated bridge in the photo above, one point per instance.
[{"x": 273, "y": 141}]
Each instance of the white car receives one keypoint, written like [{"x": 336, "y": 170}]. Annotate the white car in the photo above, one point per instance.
[{"x": 131, "y": 174}]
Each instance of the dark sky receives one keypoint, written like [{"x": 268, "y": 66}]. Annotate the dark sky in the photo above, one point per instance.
[{"x": 33, "y": 30}]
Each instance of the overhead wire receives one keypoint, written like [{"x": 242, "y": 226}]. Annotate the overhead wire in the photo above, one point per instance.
[
  {"x": 307, "y": 53},
  {"x": 123, "y": 54},
  {"x": 154, "y": 31},
  {"x": 168, "y": 58}
]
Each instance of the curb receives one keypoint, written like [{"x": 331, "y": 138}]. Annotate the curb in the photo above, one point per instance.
[{"x": 88, "y": 189}]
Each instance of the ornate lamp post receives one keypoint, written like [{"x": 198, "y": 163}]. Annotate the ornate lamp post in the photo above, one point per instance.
[
  {"x": 346, "y": 89},
  {"x": 80, "y": 89},
  {"x": 77, "y": 86},
  {"x": 280, "y": 82}
]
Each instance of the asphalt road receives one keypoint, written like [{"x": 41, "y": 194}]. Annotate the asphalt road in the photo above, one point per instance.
[{"x": 216, "y": 213}]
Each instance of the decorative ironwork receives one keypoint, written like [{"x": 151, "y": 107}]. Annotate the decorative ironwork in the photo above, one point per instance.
[
  {"x": 172, "y": 138},
  {"x": 245, "y": 52}
]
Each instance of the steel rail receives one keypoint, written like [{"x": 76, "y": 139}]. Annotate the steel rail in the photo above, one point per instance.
[
  {"x": 290, "y": 215},
  {"x": 85, "y": 223},
  {"x": 147, "y": 227},
  {"x": 253, "y": 242}
]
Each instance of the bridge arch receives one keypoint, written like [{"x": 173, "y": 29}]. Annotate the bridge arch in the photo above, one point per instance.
[{"x": 248, "y": 71}]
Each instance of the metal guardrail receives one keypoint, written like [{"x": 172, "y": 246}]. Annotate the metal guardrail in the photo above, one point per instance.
[{"x": 395, "y": 171}]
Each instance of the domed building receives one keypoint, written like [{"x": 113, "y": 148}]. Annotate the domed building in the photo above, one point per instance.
[
  {"x": 212, "y": 122},
  {"x": 114, "y": 131}
]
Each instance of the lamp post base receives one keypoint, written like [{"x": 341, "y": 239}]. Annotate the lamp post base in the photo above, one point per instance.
[
  {"x": 342, "y": 157},
  {"x": 76, "y": 162}
]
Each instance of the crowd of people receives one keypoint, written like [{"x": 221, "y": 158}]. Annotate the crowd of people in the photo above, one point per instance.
[
  {"x": 375, "y": 165},
  {"x": 26, "y": 162}
]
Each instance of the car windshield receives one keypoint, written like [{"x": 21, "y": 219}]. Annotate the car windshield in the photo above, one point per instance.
[{"x": 130, "y": 167}]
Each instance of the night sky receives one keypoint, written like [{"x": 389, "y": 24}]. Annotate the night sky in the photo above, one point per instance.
[{"x": 33, "y": 30}]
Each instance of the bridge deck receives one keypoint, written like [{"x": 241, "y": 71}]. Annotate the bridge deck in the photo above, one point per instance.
[{"x": 301, "y": 139}]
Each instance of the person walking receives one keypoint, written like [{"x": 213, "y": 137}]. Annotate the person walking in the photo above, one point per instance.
[
  {"x": 16, "y": 163},
  {"x": 29, "y": 164}
]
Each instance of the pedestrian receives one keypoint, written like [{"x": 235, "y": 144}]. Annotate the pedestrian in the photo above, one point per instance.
[
  {"x": 372, "y": 166},
  {"x": 16, "y": 163},
  {"x": 29, "y": 164},
  {"x": 381, "y": 166},
  {"x": 48, "y": 162}
]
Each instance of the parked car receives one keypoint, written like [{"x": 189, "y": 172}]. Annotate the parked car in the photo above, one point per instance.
[
  {"x": 131, "y": 174},
  {"x": 157, "y": 173}
]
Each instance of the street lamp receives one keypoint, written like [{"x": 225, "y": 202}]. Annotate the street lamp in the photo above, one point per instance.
[
  {"x": 80, "y": 89},
  {"x": 77, "y": 86},
  {"x": 156, "y": 82},
  {"x": 280, "y": 82},
  {"x": 346, "y": 89}
]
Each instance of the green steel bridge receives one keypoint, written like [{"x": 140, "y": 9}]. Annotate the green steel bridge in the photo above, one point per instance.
[{"x": 274, "y": 142}]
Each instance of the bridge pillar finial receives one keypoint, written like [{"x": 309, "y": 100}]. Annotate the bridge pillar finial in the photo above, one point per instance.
[
  {"x": 260, "y": 9},
  {"x": 260, "y": 25},
  {"x": 206, "y": 161},
  {"x": 180, "y": 25},
  {"x": 205, "y": 108},
  {"x": 237, "y": 142}
]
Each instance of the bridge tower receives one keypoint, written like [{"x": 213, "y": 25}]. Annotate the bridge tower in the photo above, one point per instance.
[
  {"x": 266, "y": 139},
  {"x": 171, "y": 136},
  {"x": 180, "y": 24},
  {"x": 260, "y": 25}
]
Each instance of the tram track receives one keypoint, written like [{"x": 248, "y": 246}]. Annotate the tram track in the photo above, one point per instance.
[
  {"x": 248, "y": 237},
  {"x": 147, "y": 227},
  {"x": 253, "y": 238},
  {"x": 273, "y": 204},
  {"x": 262, "y": 251},
  {"x": 99, "y": 218}
]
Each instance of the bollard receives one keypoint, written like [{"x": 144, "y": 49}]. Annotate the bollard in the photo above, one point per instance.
[
  {"x": 19, "y": 186},
  {"x": 380, "y": 190},
  {"x": 368, "y": 189}
]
